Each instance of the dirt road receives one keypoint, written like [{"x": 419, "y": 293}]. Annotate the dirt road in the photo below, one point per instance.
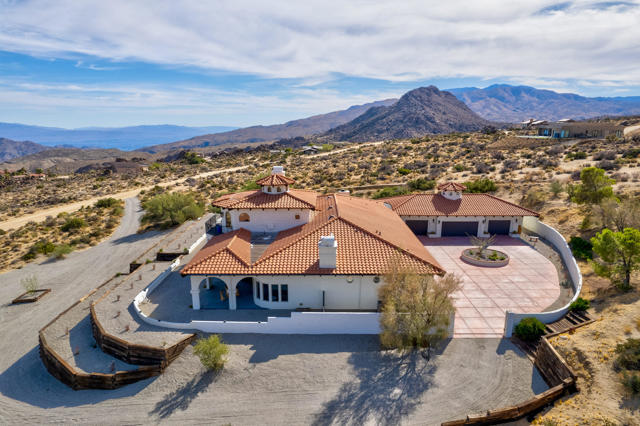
[{"x": 41, "y": 215}]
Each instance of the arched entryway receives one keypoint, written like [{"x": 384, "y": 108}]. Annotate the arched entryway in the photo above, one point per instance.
[
  {"x": 214, "y": 294},
  {"x": 244, "y": 294}
]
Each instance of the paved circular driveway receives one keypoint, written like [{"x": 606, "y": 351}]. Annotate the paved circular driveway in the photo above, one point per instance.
[{"x": 529, "y": 283}]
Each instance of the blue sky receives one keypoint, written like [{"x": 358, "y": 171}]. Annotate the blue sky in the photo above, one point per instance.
[{"x": 93, "y": 63}]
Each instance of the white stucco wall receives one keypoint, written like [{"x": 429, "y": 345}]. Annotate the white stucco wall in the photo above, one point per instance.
[
  {"x": 269, "y": 220},
  {"x": 306, "y": 291},
  {"x": 435, "y": 223}
]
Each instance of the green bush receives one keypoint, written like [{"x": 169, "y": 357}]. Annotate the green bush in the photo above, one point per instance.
[
  {"x": 403, "y": 171},
  {"x": 390, "y": 191},
  {"x": 579, "y": 305},
  {"x": 581, "y": 248},
  {"x": 62, "y": 251},
  {"x": 421, "y": 184},
  {"x": 106, "y": 202},
  {"x": 73, "y": 223},
  {"x": 631, "y": 382},
  {"x": 193, "y": 158},
  {"x": 171, "y": 209},
  {"x": 530, "y": 329},
  {"x": 628, "y": 355},
  {"x": 212, "y": 352},
  {"x": 481, "y": 185}
]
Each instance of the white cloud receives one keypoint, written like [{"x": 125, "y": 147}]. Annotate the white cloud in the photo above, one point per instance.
[{"x": 398, "y": 41}]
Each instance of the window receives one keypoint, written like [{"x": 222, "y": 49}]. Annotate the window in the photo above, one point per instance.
[
  {"x": 284, "y": 293},
  {"x": 269, "y": 189},
  {"x": 274, "y": 292},
  {"x": 257, "y": 290},
  {"x": 297, "y": 217},
  {"x": 265, "y": 292},
  {"x": 279, "y": 189},
  {"x": 244, "y": 217},
  {"x": 227, "y": 219}
]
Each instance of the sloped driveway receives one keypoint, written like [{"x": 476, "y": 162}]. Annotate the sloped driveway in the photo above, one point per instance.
[{"x": 529, "y": 283}]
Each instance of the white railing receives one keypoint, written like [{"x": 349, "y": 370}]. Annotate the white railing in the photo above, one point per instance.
[{"x": 558, "y": 241}]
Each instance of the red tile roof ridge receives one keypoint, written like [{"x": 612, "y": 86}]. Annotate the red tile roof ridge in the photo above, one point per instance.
[
  {"x": 432, "y": 262},
  {"x": 228, "y": 239},
  {"x": 535, "y": 213},
  {"x": 275, "y": 179}
]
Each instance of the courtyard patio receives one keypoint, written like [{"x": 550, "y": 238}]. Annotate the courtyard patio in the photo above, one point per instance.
[{"x": 529, "y": 283}]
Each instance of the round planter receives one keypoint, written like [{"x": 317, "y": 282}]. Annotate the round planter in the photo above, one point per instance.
[{"x": 472, "y": 260}]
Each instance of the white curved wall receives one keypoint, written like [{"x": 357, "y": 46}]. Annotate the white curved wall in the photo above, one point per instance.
[{"x": 558, "y": 241}]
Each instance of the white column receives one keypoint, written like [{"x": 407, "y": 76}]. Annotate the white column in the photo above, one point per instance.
[
  {"x": 232, "y": 293},
  {"x": 195, "y": 291}
]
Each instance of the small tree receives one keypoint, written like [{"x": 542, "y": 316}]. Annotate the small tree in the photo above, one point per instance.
[
  {"x": 619, "y": 255},
  {"x": 212, "y": 352},
  {"x": 416, "y": 308},
  {"x": 171, "y": 209},
  {"x": 594, "y": 187},
  {"x": 619, "y": 215},
  {"x": 482, "y": 243},
  {"x": 556, "y": 188},
  {"x": 30, "y": 284}
]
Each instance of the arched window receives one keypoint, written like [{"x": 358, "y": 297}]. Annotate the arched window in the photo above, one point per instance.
[
  {"x": 279, "y": 189},
  {"x": 244, "y": 217},
  {"x": 269, "y": 189},
  {"x": 227, "y": 219}
]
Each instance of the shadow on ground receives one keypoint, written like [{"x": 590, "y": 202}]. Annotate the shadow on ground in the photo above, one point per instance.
[
  {"x": 28, "y": 380},
  {"x": 267, "y": 347},
  {"x": 388, "y": 387},
  {"x": 181, "y": 398}
]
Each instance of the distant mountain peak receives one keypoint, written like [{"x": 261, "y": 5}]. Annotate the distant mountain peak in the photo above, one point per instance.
[{"x": 418, "y": 112}]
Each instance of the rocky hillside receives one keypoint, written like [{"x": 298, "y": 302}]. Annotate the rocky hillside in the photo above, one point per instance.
[
  {"x": 13, "y": 149},
  {"x": 502, "y": 102},
  {"x": 69, "y": 160},
  {"x": 418, "y": 112},
  {"x": 303, "y": 127}
]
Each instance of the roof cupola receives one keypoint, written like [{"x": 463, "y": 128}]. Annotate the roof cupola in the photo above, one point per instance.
[{"x": 451, "y": 190}]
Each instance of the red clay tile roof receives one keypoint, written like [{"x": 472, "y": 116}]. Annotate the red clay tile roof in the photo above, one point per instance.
[
  {"x": 468, "y": 205},
  {"x": 292, "y": 199},
  {"x": 451, "y": 186},
  {"x": 275, "y": 180},
  {"x": 369, "y": 236}
]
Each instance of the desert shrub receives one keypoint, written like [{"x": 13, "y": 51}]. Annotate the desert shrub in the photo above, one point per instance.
[
  {"x": 534, "y": 199},
  {"x": 605, "y": 155},
  {"x": 212, "y": 352},
  {"x": 421, "y": 184},
  {"x": 481, "y": 168},
  {"x": 481, "y": 185},
  {"x": 628, "y": 357},
  {"x": 389, "y": 191},
  {"x": 459, "y": 168},
  {"x": 61, "y": 251},
  {"x": 106, "y": 202},
  {"x": 73, "y": 223},
  {"x": 30, "y": 284},
  {"x": 509, "y": 165},
  {"x": 579, "y": 305},
  {"x": 529, "y": 329},
  {"x": 576, "y": 155},
  {"x": 556, "y": 188},
  {"x": 171, "y": 209},
  {"x": 45, "y": 247},
  {"x": 403, "y": 171},
  {"x": 631, "y": 382},
  {"x": 192, "y": 158},
  {"x": 581, "y": 248},
  {"x": 631, "y": 153}
]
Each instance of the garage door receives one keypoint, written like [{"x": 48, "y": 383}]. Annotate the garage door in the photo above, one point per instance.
[
  {"x": 459, "y": 229},
  {"x": 499, "y": 227},
  {"x": 419, "y": 227}
]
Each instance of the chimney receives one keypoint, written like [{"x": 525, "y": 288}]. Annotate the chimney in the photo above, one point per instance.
[
  {"x": 327, "y": 251},
  {"x": 277, "y": 170}
]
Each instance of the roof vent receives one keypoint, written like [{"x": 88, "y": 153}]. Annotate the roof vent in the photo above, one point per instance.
[
  {"x": 327, "y": 251},
  {"x": 277, "y": 170}
]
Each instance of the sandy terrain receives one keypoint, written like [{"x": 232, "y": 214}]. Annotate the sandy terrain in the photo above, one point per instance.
[{"x": 54, "y": 211}]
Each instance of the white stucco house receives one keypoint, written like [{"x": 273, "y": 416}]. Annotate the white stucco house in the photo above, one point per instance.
[
  {"x": 450, "y": 212},
  {"x": 286, "y": 248}
]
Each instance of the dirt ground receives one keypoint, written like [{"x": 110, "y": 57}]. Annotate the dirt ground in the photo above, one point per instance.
[{"x": 602, "y": 400}]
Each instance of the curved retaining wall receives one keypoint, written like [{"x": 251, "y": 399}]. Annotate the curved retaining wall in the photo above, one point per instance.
[{"x": 558, "y": 241}]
